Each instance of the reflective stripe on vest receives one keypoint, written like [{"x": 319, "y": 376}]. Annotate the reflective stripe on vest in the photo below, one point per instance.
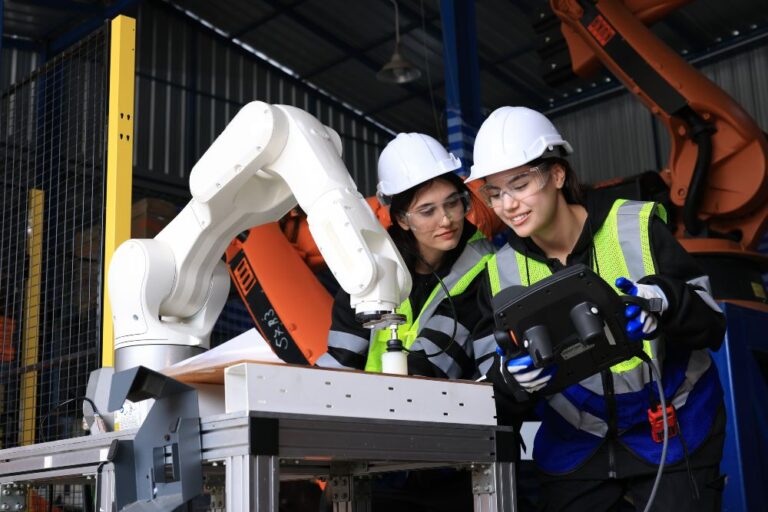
[
  {"x": 469, "y": 264},
  {"x": 625, "y": 232}
]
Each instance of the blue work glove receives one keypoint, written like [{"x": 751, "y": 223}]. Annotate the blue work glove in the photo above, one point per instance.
[
  {"x": 641, "y": 323},
  {"x": 527, "y": 376}
]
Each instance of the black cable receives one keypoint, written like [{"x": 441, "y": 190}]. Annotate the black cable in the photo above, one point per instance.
[
  {"x": 61, "y": 404},
  {"x": 455, "y": 320},
  {"x": 656, "y": 375}
]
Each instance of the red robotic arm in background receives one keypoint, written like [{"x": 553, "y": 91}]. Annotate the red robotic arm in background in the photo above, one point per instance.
[
  {"x": 275, "y": 270},
  {"x": 717, "y": 163}
]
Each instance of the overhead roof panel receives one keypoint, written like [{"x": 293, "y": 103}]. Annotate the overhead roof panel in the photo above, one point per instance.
[
  {"x": 39, "y": 21},
  {"x": 230, "y": 16},
  {"x": 503, "y": 28},
  {"x": 358, "y": 86},
  {"x": 339, "y": 45},
  {"x": 288, "y": 42},
  {"x": 356, "y": 24},
  {"x": 413, "y": 116}
]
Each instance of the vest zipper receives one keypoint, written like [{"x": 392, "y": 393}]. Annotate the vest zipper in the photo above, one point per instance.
[{"x": 610, "y": 405}]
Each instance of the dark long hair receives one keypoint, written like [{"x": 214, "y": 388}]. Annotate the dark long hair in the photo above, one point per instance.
[
  {"x": 572, "y": 189},
  {"x": 404, "y": 240}
]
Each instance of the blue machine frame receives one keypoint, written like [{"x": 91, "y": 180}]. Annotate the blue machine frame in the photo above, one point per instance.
[{"x": 742, "y": 363}]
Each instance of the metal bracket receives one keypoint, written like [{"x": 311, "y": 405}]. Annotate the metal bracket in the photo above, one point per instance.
[
  {"x": 347, "y": 493},
  {"x": 493, "y": 487},
  {"x": 340, "y": 489},
  {"x": 13, "y": 497},
  {"x": 163, "y": 462},
  {"x": 483, "y": 480}
]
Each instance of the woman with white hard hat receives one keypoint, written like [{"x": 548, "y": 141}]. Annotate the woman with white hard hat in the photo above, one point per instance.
[
  {"x": 597, "y": 443},
  {"x": 444, "y": 252}
]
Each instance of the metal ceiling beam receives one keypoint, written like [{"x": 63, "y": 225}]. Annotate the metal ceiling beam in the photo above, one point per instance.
[
  {"x": 266, "y": 19},
  {"x": 333, "y": 39},
  {"x": 486, "y": 65},
  {"x": 389, "y": 37}
]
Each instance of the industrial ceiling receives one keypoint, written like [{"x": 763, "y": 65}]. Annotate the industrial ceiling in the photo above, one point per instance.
[{"x": 339, "y": 45}]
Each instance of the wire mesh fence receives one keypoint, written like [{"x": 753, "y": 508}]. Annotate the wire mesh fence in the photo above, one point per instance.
[{"x": 52, "y": 168}]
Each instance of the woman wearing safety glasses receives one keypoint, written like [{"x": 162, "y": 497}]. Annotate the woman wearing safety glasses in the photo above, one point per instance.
[
  {"x": 444, "y": 252},
  {"x": 595, "y": 446}
]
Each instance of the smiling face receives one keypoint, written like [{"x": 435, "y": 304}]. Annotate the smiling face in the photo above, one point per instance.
[
  {"x": 435, "y": 216},
  {"x": 525, "y": 199}
]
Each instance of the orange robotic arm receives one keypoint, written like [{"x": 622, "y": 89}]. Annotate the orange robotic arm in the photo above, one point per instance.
[{"x": 718, "y": 156}]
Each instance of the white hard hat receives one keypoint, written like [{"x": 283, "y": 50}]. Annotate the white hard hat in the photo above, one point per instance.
[
  {"x": 511, "y": 137},
  {"x": 411, "y": 159}
]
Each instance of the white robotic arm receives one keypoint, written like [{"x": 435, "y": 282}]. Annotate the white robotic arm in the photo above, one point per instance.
[{"x": 167, "y": 292}]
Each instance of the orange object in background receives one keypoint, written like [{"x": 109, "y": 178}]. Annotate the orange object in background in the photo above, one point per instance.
[
  {"x": 481, "y": 215},
  {"x": 150, "y": 215},
  {"x": 37, "y": 503},
  {"x": 289, "y": 305},
  {"x": 7, "y": 351}
]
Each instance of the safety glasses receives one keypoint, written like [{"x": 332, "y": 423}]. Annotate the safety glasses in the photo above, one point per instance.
[
  {"x": 518, "y": 187},
  {"x": 429, "y": 216}
]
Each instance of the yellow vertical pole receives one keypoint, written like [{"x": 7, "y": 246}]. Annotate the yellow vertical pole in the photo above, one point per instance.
[
  {"x": 31, "y": 333},
  {"x": 117, "y": 228}
]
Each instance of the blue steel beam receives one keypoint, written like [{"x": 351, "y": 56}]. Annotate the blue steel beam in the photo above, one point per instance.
[
  {"x": 86, "y": 27},
  {"x": 439, "y": 83},
  {"x": 462, "y": 77},
  {"x": 492, "y": 66}
]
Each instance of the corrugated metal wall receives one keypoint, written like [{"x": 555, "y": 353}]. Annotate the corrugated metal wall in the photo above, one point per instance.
[
  {"x": 190, "y": 83},
  {"x": 16, "y": 65},
  {"x": 619, "y": 137}
]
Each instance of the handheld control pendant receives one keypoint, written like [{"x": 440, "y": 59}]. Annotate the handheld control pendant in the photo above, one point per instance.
[{"x": 573, "y": 320}]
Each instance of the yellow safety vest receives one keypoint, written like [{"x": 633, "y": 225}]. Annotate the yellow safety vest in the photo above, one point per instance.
[{"x": 469, "y": 264}]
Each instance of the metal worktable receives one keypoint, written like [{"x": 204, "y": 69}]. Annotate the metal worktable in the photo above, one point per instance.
[{"x": 250, "y": 451}]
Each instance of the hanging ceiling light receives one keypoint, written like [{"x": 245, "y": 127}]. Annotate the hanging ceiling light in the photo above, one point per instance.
[{"x": 398, "y": 70}]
